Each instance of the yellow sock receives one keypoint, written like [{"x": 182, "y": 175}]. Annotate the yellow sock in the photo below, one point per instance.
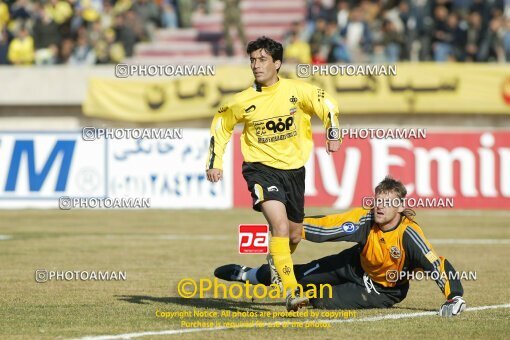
[
  {"x": 280, "y": 251},
  {"x": 293, "y": 247}
]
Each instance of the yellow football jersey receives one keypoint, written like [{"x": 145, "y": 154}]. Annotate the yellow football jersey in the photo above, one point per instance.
[{"x": 277, "y": 129}]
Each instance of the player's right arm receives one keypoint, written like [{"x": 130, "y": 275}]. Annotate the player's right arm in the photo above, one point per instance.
[
  {"x": 351, "y": 226},
  {"x": 221, "y": 130}
]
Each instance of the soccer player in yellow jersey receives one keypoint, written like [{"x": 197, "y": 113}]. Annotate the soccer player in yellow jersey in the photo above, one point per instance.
[
  {"x": 375, "y": 272},
  {"x": 276, "y": 143}
]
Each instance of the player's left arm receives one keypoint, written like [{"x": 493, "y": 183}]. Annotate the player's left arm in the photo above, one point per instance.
[
  {"x": 420, "y": 254},
  {"x": 326, "y": 108}
]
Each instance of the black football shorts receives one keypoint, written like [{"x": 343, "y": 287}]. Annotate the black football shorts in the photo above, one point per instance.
[{"x": 287, "y": 186}]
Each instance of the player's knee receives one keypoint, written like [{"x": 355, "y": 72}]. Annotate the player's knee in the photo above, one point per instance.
[
  {"x": 294, "y": 238},
  {"x": 280, "y": 228}
]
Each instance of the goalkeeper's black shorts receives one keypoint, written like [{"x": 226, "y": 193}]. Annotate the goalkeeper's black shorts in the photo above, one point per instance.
[
  {"x": 344, "y": 273},
  {"x": 287, "y": 186}
]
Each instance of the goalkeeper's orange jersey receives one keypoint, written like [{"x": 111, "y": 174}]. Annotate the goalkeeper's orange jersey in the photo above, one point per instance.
[
  {"x": 277, "y": 130},
  {"x": 384, "y": 254}
]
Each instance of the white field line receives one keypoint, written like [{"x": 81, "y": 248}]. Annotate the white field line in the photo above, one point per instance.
[
  {"x": 5, "y": 237},
  {"x": 460, "y": 212},
  {"x": 367, "y": 319},
  {"x": 469, "y": 241}
]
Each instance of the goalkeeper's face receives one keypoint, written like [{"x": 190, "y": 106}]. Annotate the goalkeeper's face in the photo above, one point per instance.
[
  {"x": 387, "y": 208},
  {"x": 264, "y": 68}
]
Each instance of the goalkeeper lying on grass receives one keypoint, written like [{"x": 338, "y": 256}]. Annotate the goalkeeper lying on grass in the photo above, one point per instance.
[{"x": 375, "y": 272}]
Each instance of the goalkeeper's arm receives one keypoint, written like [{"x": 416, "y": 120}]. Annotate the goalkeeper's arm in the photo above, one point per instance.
[{"x": 421, "y": 255}]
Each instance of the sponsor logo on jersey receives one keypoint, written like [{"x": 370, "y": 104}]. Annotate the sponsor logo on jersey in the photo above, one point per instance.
[
  {"x": 349, "y": 227},
  {"x": 293, "y": 100},
  {"x": 395, "y": 252},
  {"x": 250, "y": 108},
  {"x": 272, "y": 188},
  {"x": 275, "y": 129}
]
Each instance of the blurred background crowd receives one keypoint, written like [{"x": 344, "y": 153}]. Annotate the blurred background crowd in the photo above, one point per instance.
[
  {"x": 79, "y": 32},
  {"x": 393, "y": 30},
  {"x": 87, "y": 32}
]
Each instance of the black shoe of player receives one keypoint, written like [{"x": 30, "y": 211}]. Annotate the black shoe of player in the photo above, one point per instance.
[{"x": 231, "y": 272}]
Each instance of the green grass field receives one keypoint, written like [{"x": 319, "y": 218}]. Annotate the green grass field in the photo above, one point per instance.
[{"x": 159, "y": 248}]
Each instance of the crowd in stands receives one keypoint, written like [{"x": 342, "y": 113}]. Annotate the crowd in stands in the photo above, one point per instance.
[
  {"x": 401, "y": 30},
  {"x": 79, "y": 32},
  {"x": 87, "y": 32}
]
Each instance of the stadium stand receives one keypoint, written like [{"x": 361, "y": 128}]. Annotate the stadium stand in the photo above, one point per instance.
[{"x": 105, "y": 31}]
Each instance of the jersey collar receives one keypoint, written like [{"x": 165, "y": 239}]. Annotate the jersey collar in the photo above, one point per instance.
[
  {"x": 267, "y": 89},
  {"x": 395, "y": 227}
]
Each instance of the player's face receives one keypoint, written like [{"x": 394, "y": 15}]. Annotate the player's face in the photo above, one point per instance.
[
  {"x": 264, "y": 68},
  {"x": 386, "y": 212}
]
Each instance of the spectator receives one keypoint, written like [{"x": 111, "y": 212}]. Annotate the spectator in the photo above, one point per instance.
[
  {"x": 474, "y": 36},
  {"x": 46, "y": 38},
  {"x": 392, "y": 41},
  {"x": 296, "y": 28},
  {"x": 492, "y": 46},
  {"x": 342, "y": 16},
  {"x": 125, "y": 35},
  {"x": 443, "y": 36},
  {"x": 21, "y": 48},
  {"x": 317, "y": 40},
  {"x": 4, "y": 46},
  {"x": 60, "y": 11},
  {"x": 334, "y": 47},
  {"x": 21, "y": 10},
  {"x": 107, "y": 17},
  {"x": 169, "y": 16},
  {"x": 133, "y": 21},
  {"x": 4, "y": 14},
  {"x": 232, "y": 18},
  {"x": 148, "y": 13},
  {"x": 83, "y": 53},
  {"x": 357, "y": 35},
  {"x": 315, "y": 12},
  {"x": 45, "y": 30},
  {"x": 458, "y": 38},
  {"x": 185, "y": 7},
  {"x": 297, "y": 51},
  {"x": 66, "y": 50},
  {"x": 506, "y": 40}
]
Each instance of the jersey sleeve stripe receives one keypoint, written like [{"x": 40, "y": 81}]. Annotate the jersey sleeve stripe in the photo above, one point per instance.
[
  {"x": 418, "y": 240},
  {"x": 322, "y": 231},
  {"x": 211, "y": 151}
]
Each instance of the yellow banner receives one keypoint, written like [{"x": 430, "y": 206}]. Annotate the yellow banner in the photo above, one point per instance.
[{"x": 417, "y": 88}]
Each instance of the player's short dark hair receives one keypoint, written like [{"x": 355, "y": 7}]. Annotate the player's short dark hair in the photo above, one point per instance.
[
  {"x": 389, "y": 184},
  {"x": 272, "y": 47}
]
